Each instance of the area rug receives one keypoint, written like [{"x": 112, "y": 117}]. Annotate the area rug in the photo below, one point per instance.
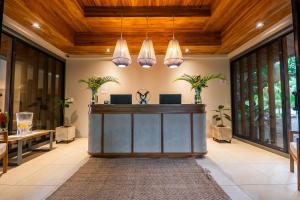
[{"x": 140, "y": 179}]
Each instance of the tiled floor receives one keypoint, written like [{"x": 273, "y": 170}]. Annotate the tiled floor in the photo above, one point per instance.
[
  {"x": 243, "y": 171},
  {"x": 39, "y": 177},
  {"x": 247, "y": 172}
]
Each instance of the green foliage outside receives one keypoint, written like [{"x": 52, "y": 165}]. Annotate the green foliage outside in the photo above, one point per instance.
[{"x": 277, "y": 88}]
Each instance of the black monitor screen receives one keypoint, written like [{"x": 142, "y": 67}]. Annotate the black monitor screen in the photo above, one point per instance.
[
  {"x": 170, "y": 99},
  {"x": 121, "y": 99}
]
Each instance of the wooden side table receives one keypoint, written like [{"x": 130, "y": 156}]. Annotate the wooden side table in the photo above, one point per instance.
[{"x": 20, "y": 139}]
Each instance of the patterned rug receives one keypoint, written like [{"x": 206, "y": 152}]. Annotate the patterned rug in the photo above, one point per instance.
[{"x": 140, "y": 179}]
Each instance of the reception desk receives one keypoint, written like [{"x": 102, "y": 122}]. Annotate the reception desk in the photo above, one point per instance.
[{"x": 147, "y": 130}]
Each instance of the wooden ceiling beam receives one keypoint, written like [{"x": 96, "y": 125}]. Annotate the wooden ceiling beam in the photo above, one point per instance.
[
  {"x": 158, "y": 38},
  {"x": 150, "y": 11},
  {"x": 134, "y": 50}
]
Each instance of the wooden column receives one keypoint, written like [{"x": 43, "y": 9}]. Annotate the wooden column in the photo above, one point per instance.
[
  {"x": 45, "y": 93},
  {"x": 234, "y": 96},
  {"x": 272, "y": 112},
  {"x": 285, "y": 91},
  {"x": 260, "y": 97},
  {"x": 242, "y": 105},
  {"x": 251, "y": 97},
  {"x": 53, "y": 85}
]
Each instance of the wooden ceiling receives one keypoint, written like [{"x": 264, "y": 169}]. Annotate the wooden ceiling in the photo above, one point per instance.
[{"x": 92, "y": 26}]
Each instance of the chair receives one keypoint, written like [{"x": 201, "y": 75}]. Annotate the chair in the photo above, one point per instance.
[
  {"x": 294, "y": 151},
  {"x": 4, "y": 150}
]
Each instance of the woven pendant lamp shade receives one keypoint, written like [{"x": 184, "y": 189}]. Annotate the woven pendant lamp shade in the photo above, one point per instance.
[
  {"x": 146, "y": 57},
  {"x": 173, "y": 58},
  {"x": 121, "y": 56}
]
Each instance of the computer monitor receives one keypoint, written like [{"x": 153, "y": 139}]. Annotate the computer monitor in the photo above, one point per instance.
[
  {"x": 121, "y": 99},
  {"x": 170, "y": 99}
]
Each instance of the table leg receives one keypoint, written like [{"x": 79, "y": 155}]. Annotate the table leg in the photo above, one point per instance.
[
  {"x": 19, "y": 156},
  {"x": 30, "y": 145},
  {"x": 51, "y": 141}
]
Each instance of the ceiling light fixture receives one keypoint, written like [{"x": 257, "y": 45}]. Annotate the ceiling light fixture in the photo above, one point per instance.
[
  {"x": 173, "y": 58},
  {"x": 121, "y": 56},
  {"x": 36, "y": 25},
  {"x": 259, "y": 25},
  {"x": 186, "y": 50},
  {"x": 146, "y": 58},
  {"x": 107, "y": 50}
]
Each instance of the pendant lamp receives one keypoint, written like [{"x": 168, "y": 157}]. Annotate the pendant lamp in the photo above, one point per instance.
[
  {"x": 173, "y": 58},
  {"x": 121, "y": 56},
  {"x": 146, "y": 58}
]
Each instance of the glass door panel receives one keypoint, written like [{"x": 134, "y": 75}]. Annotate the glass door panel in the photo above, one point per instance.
[
  {"x": 5, "y": 64},
  {"x": 292, "y": 85}
]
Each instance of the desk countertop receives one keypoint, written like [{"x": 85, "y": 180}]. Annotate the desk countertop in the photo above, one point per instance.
[{"x": 147, "y": 108}]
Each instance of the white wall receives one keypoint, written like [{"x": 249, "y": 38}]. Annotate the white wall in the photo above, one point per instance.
[{"x": 158, "y": 79}]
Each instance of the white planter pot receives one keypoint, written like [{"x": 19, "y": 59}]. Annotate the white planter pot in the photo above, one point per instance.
[
  {"x": 221, "y": 133},
  {"x": 65, "y": 134}
]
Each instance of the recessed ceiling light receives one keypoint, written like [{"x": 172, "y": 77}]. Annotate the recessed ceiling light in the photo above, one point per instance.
[
  {"x": 186, "y": 50},
  {"x": 36, "y": 25},
  {"x": 107, "y": 50},
  {"x": 259, "y": 25}
]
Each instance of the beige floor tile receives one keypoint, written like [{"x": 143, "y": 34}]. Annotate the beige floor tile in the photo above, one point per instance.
[
  {"x": 235, "y": 192},
  {"x": 272, "y": 192},
  {"x": 25, "y": 192},
  {"x": 50, "y": 175}
]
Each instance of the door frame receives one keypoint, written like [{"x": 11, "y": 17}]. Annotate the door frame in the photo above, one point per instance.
[{"x": 296, "y": 25}]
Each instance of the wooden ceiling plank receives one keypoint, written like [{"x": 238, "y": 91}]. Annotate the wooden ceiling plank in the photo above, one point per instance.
[
  {"x": 271, "y": 12},
  {"x": 144, "y": 2},
  {"x": 136, "y": 38},
  {"x": 23, "y": 13},
  {"x": 230, "y": 24},
  {"x": 134, "y": 50},
  {"x": 225, "y": 12},
  {"x": 150, "y": 11}
]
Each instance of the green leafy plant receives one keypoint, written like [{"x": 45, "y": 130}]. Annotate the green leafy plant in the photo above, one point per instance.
[
  {"x": 220, "y": 114},
  {"x": 199, "y": 82},
  {"x": 65, "y": 103},
  {"x": 94, "y": 83}
]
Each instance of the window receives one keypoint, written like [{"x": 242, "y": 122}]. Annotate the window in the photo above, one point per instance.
[{"x": 262, "y": 80}]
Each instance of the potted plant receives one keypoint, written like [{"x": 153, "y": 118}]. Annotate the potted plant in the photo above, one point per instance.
[
  {"x": 220, "y": 132},
  {"x": 219, "y": 117},
  {"x": 4, "y": 121},
  {"x": 94, "y": 83},
  {"x": 65, "y": 103},
  {"x": 199, "y": 82},
  {"x": 66, "y": 132}
]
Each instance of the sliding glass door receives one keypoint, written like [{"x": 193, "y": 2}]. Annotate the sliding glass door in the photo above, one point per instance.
[
  {"x": 38, "y": 84},
  {"x": 31, "y": 80},
  {"x": 5, "y": 66},
  {"x": 264, "y": 85}
]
